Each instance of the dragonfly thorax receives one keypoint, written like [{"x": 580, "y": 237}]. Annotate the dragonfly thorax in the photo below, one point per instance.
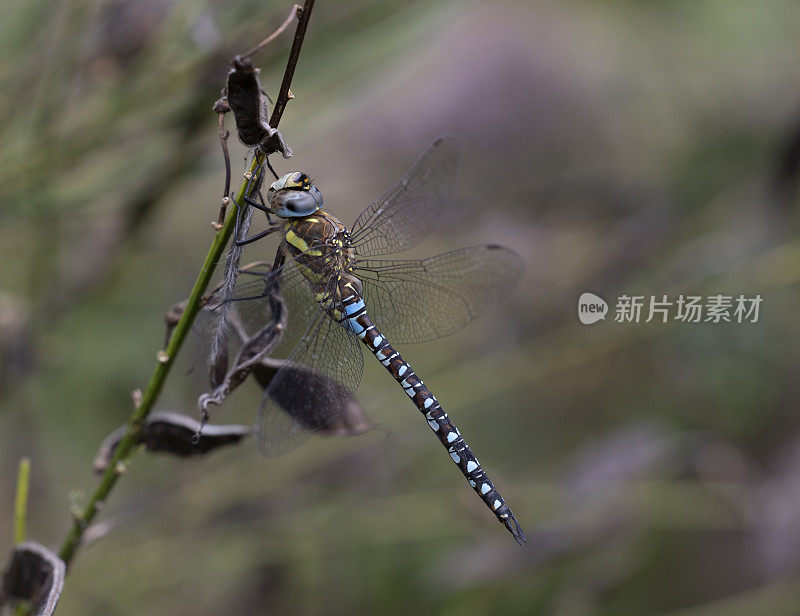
[{"x": 321, "y": 247}]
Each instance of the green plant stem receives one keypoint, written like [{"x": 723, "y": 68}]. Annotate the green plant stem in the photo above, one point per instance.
[
  {"x": 21, "y": 501},
  {"x": 166, "y": 357},
  {"x": 156, "y": 382}
]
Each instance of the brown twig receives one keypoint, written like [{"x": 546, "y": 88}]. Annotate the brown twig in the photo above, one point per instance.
[
  {"x": 297, "y": 44},
  {"x": 223, "y": 141},
  {"x": 281, "y": 29}
]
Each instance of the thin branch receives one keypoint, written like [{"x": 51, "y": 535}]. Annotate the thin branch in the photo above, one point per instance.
[
  {"x": 281, "y": 29},
  {"x": 21, "y": 501},
  {"x": 166, "y": 357},
  {"x": 299, "y": 35},
  {"x": 223, "y": 141}
]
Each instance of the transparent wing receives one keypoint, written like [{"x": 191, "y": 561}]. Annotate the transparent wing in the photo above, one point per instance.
[
  {"x": 409, "y": 211},
  {"x": 240, "y": 319},
  {"x": 312, "y": 388},
  {"x": 418, "y": 300},
  {"x": 316, "y": 382},
  {"x": 250, "y": 306},
  {"x": 225, "y": 328}
]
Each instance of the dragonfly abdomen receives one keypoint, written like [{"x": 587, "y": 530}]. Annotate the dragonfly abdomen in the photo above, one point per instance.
[{"x": 358, "y": 321}]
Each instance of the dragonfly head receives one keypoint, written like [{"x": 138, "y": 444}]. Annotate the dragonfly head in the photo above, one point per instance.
[{"x": 294, "y": 196}]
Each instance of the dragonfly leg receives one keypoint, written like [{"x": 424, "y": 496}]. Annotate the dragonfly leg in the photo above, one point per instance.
[
  {"x": 253, "y": 238},
  {"x": 277, "y": 264},
  {"x": 265, "y": 208},
  {"x": 259, "y": 206},
  {"x": 273, "y": 283},
  {"x": 254, "y": 273},
  {"x": 256, "y": 204}
]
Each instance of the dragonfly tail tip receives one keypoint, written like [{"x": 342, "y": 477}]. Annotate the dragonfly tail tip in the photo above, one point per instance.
[{"x": 515, "y": 529}]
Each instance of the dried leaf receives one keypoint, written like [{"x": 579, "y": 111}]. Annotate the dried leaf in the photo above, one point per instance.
[
  {"x": 172, "y": 433},
  {"x": 34, "y": 574}
]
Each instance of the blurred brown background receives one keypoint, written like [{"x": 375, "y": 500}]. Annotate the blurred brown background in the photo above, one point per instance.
[{"x": 620, "y": 147}]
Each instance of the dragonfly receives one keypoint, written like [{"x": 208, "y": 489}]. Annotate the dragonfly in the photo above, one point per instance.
[{"x": 341, "y": 294}]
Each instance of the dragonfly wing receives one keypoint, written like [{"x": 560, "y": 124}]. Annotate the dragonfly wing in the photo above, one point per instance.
[
  {"x": 250, "y": 306},
  {"x": 418, "y": 300},
  {"x": 312, "y": 388},
  {"x": 249, "y": 309},
  {"x": 409, "y": 210},
  {"x": 224, "y": 325}
]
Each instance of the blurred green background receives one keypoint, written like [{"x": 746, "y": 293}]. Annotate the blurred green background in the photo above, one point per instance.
[{"x": 620, "y": 147}]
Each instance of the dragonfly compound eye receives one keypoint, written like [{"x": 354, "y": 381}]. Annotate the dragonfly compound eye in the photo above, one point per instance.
[
  {"x": 289, "y": 203},
  {"x": 314, "y": 192},
  {"x": 293, "y": 196}
]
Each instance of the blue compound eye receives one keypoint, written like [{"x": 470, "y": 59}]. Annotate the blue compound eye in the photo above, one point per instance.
[
  {"x": 294, "y": 196},
  {"x": 300, "y": 204},
  {"x": 294, "y": 203},
  {"x": 314, "y": 192}
]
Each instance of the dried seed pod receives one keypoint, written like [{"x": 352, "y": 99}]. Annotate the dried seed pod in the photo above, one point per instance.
[
  {"x": 172, "y": 433},
  {"x": 33, "y": 574},
  {"x": 249, "y": 105},
  {"x": 348, "y": 421}
]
